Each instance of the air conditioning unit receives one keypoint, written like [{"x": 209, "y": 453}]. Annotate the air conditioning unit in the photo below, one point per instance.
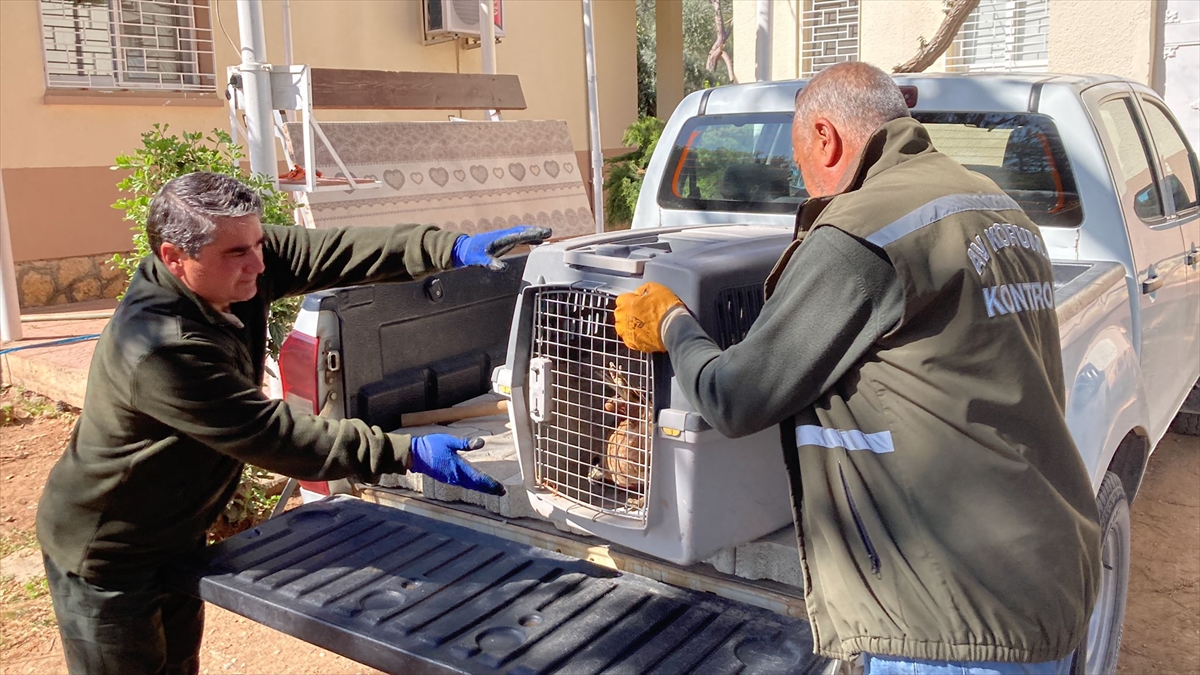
[
  {"x": 607, "y": 442},
  {"x": 458, "y": 18}
]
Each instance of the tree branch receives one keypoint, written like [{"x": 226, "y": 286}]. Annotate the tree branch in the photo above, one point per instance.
[
  {"x": 729, "y": 66},
  {"x": 718, "y": 48},
  {"x": 956, "y": 16}
]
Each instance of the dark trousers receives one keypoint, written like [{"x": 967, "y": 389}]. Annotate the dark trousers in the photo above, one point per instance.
[{"x": 136, "y": 629}]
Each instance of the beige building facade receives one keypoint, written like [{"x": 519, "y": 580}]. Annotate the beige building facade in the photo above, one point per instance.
[
  {"x": 68, "y": 106},
  {"x": 1116, "y": 37}
]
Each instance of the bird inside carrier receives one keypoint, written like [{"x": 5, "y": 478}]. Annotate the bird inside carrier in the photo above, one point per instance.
[{"x": 591, "y": 403}]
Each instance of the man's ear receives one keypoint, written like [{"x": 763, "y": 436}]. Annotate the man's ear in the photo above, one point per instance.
[
  {"x": 173, "y": 257},
  {"x": 829, "y": 142}
]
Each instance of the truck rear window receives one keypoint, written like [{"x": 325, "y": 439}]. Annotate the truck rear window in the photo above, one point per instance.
[{"x": 744, "y": 162}]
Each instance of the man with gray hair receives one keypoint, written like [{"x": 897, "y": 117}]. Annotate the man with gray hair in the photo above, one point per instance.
[
  {"x": 946, "y": 522},
  {"x": 174, "y": 408}
]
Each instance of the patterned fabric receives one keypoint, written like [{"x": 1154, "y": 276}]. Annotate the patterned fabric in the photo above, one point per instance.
[{"x": 464, "y": 176}]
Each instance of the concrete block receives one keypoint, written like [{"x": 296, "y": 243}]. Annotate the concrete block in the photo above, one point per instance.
[
  {"x": 725, "y": 561},
  {"x": 498, "y": 459},
  {"x": 775, "y": 557}
]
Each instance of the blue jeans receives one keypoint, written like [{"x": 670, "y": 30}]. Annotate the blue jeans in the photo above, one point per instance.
[{"x": 876, "y": 665}]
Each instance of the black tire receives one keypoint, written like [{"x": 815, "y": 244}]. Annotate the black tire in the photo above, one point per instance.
[
  {"x": 1187, "y": 424},
  {"x": 1098, "y": 653}
]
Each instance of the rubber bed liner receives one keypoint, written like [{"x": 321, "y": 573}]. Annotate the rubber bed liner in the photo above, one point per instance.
[{"x": 404, "y": 593}]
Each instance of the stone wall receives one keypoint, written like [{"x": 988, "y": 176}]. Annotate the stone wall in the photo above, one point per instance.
[{"x": 41, "y": 283}]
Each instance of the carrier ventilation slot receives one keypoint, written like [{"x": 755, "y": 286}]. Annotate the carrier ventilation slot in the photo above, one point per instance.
[{"x": 737, "y": 309}]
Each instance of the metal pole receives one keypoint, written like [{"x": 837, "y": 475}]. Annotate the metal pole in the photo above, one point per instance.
[
  {"x": 762, "y": 51},
  {"x": 287, "y": 47},
  {"x": 10, "y": 309},
  {"x": 589, "y": 46},
  {"x": 287, "y": 32},
  {"x": 256, "y": 83},
  {"x": 487, "y": 43}
]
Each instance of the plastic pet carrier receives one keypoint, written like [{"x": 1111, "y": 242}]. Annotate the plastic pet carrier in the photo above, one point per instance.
[{"x": 608, "y": 444}]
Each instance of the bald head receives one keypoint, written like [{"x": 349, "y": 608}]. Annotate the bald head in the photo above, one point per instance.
[
  {"x": 836, "y": 113},
  {"x": 857, "y": 97}
]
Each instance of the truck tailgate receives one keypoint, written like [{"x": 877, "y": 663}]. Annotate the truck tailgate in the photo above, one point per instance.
[{"x": 402, "y": 593}]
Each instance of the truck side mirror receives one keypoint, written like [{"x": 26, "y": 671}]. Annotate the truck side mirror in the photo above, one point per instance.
[{"x": 1146, "y": 203}]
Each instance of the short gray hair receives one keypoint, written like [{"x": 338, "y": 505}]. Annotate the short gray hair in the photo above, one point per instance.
[
  {"x": 857, "y": 97},
  {"x": 186, "y": 209}
]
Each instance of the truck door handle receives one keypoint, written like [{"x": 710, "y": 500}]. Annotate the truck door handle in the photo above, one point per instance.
[
  {"x": 1191, "y": 258},
  {"x": 1151, "y": 284}
]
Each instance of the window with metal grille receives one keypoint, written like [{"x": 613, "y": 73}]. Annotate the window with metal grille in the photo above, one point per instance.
[
  {"x": 164, "y": 45},
  {"x": 592, "y": 405},
  {"x": 1004, "y": 36},
  {"x": 830, "y": 34}
]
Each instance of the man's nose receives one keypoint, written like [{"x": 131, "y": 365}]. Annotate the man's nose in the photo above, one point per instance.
[{"x": 256, "y": 265}]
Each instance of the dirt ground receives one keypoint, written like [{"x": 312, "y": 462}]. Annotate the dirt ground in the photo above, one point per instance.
[
  {"x": 1162, "y": 624},
  {"x": 29, "y": 640}
]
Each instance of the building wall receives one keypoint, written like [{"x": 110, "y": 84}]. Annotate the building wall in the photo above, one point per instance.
[
  {"x": 743, "y": 39},
  {"x": 1083, "y": 35},
  {"x": 1113, "y": 37},
  {"x": 785, "y": 41},
  {"x": 890, "y": 31},
  {"x": 56, "y": 151}
]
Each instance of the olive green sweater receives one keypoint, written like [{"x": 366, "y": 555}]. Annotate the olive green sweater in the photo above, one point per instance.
[{"x": 174, "y": 405}]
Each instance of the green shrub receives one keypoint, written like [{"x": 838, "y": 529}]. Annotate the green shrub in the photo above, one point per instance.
[
  {"x": 625, "y": 174},
  {"x": 248, "y": 506}
]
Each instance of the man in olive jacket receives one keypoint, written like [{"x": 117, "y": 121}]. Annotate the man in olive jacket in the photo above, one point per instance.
[
  {"x": 174, "y": 408},
  {"x": 909, "y": 349}
]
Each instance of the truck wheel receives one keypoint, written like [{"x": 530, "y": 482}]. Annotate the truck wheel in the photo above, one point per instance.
[
  {"x": 1187, "y": 422},
  {"x": 1097, "y": 654}
]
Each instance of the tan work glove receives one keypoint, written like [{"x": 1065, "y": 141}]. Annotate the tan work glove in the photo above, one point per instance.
[{"x": 639, "y": 316}]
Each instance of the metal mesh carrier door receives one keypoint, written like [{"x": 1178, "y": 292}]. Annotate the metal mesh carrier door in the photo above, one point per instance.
[{"x": 592, "y": 405}]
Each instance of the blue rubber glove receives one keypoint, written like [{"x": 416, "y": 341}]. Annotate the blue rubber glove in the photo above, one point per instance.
[
  {"x": 436, "y": 456},
  {"x": 484, "y": 249}
]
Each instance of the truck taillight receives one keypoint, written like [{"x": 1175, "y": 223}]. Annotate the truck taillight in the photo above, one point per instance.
[
  {"x": 318, "y": 487},
  {"x": 298, "y": 372}
]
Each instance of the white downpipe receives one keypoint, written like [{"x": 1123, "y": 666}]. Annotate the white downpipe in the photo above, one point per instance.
[
  {"x": 287, "y": 32},
  {"x": 287, "y": 47},
  {"x": 487, "y": 44},
  {"x": 589, "y": 46},
  {"x": 10, "y": 309},
  {"x": 762, "y": 44},
  {"x": 256, "y": 83}
]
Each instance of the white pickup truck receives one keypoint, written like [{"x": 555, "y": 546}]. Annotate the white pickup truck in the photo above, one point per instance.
[{"x": 450, "y": 581}]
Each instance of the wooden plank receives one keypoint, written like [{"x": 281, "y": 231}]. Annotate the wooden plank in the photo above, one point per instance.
[{"x": 347, "y": 89}]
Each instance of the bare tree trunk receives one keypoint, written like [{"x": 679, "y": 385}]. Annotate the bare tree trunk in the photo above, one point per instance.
[
  {"x": 728, "y": 65},
  {"x": 956, "y": 16},
  {"x": 718, "y": 48}
]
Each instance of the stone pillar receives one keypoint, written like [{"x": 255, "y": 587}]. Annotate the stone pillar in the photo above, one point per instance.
[
  {"x": 668, "y": 73},
  {"x": 10, "y": 310}
]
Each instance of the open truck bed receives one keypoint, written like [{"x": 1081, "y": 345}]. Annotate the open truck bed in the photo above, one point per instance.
[{"x": 405, "y": 593}]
